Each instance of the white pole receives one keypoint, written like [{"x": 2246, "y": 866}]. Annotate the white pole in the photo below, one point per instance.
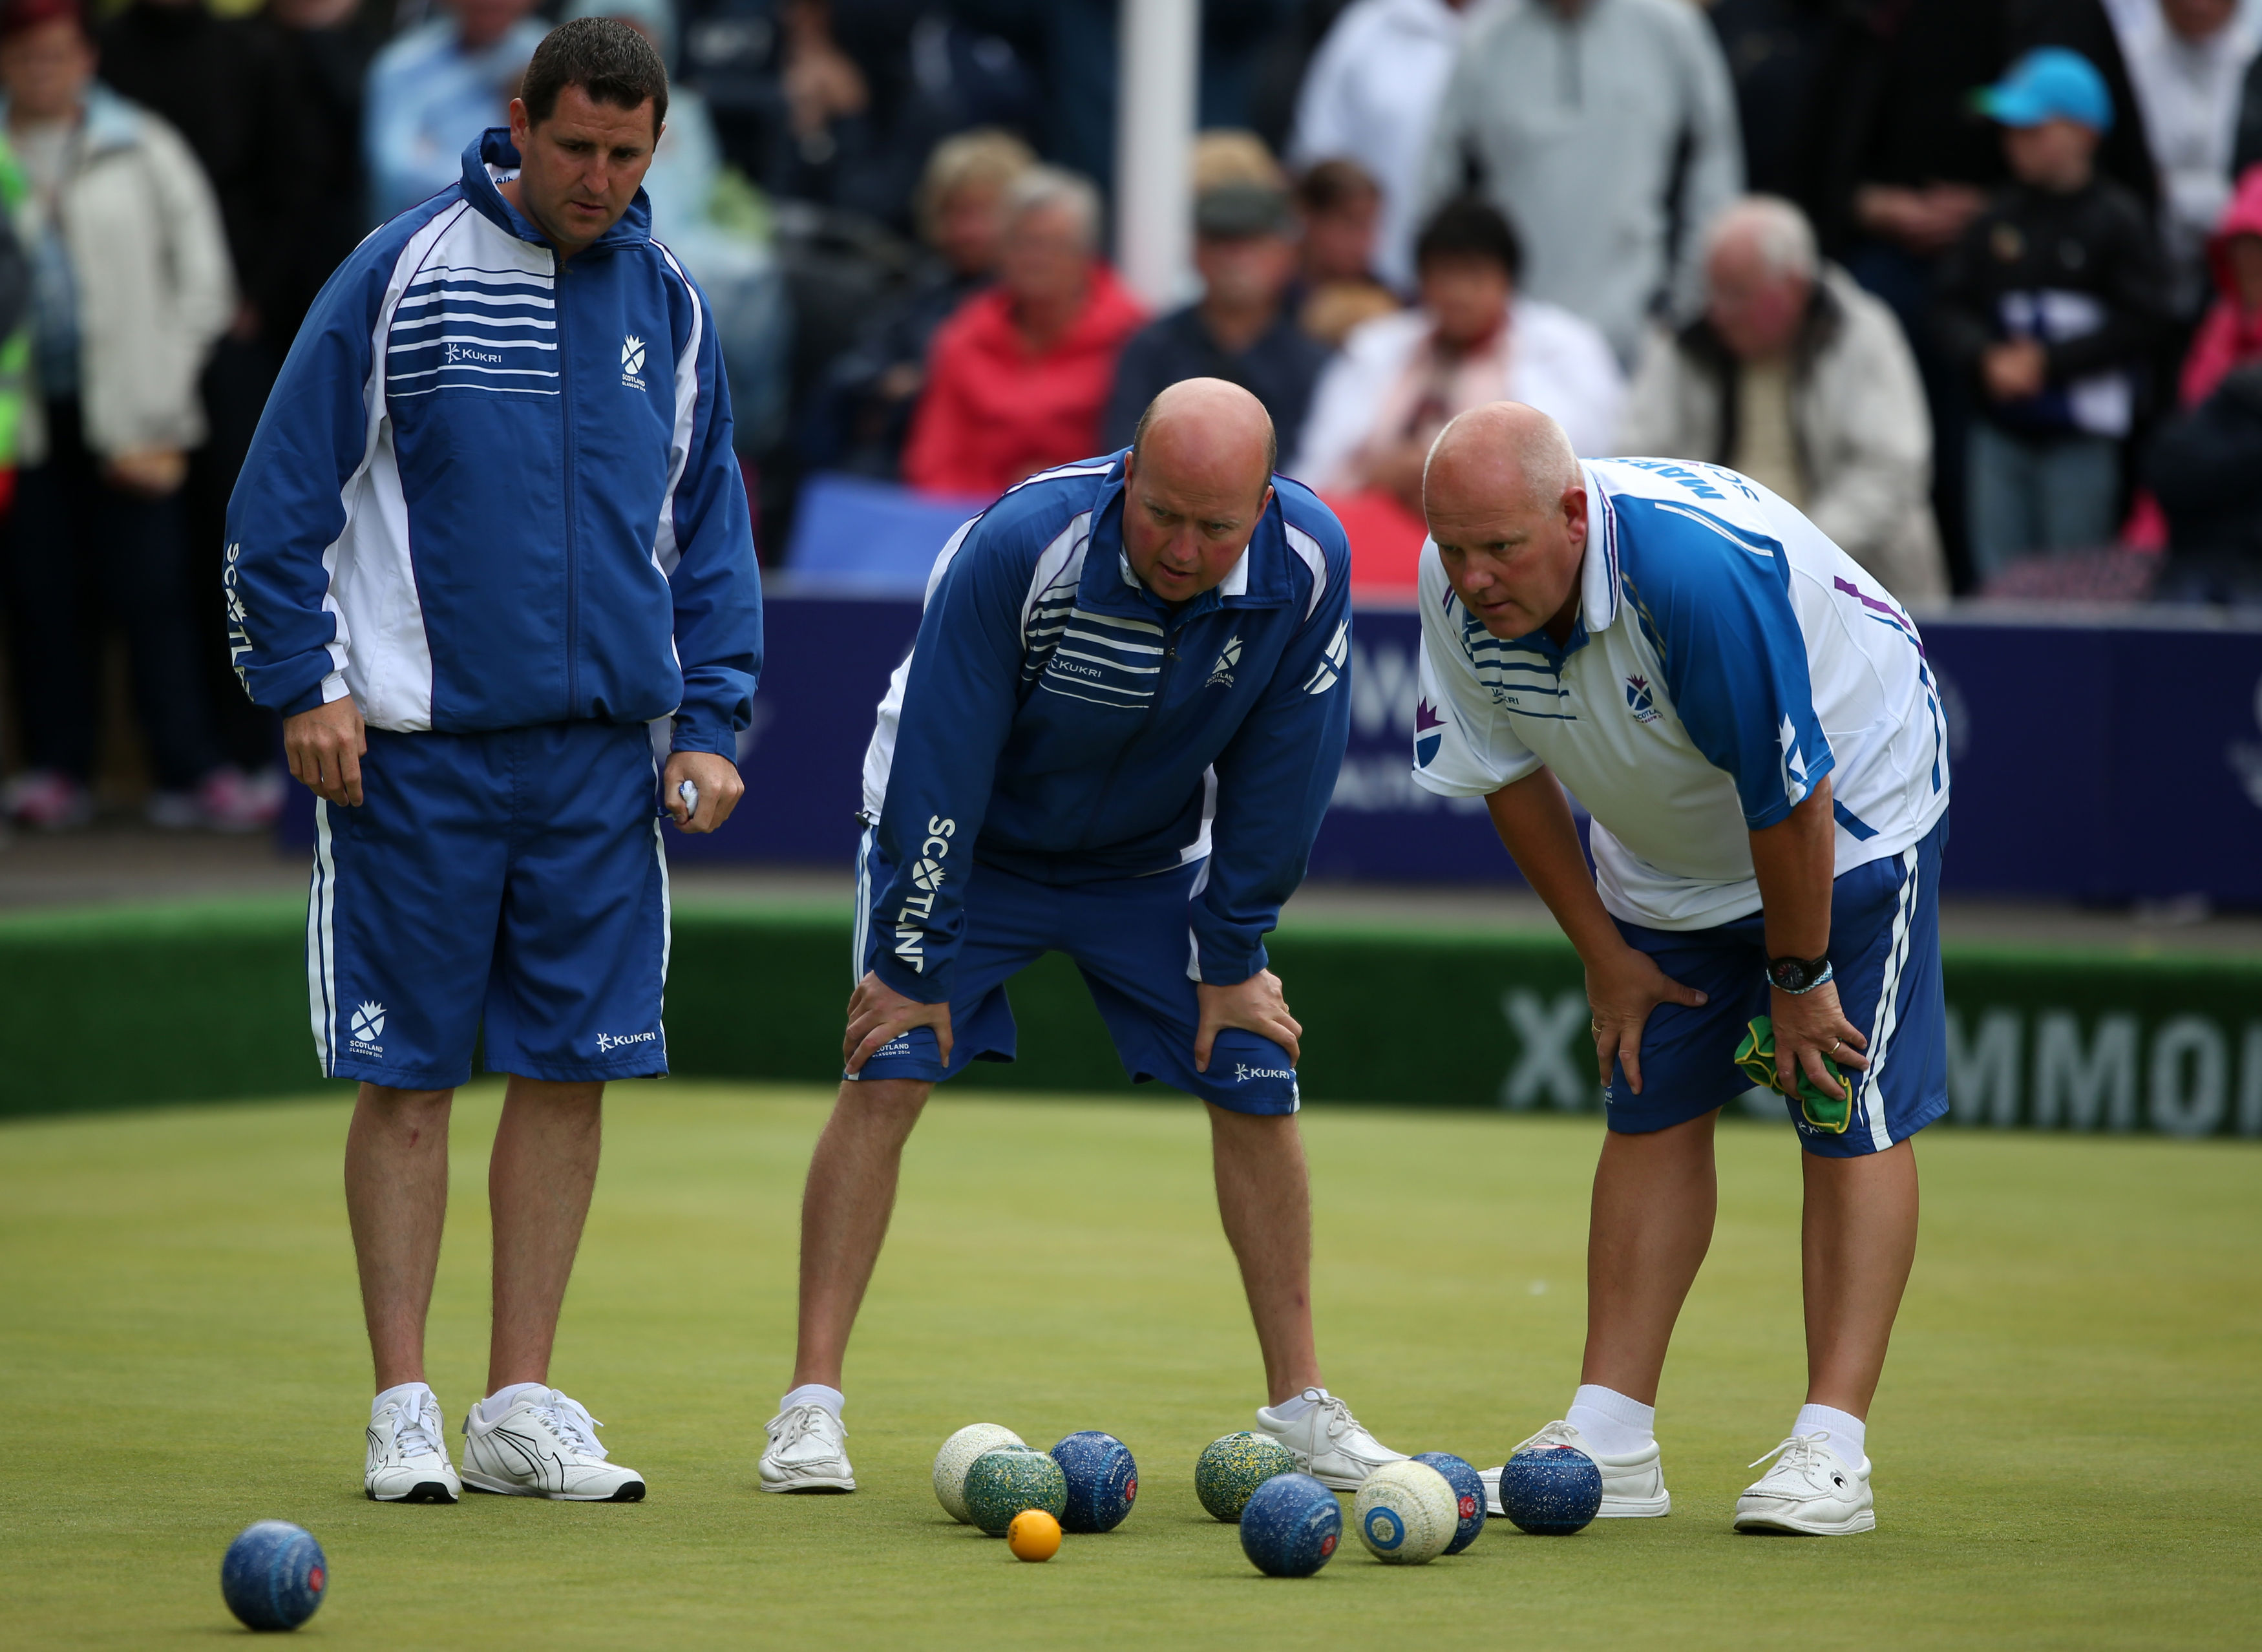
[{"x": 1154, "y": 139}]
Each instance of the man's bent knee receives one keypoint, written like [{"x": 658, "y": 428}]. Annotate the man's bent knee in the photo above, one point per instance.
[
  {"x": 1259, "y": 1132},
  {"x": 896, "y": 1101},
  {"x": 387, "y": 1101}
]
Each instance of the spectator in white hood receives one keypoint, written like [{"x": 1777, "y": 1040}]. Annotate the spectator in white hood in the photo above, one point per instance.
[{"x": 1370, "y": 96}]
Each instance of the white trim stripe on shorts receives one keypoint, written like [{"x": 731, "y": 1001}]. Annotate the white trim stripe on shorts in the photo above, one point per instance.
[
  {"x": 863, "y": 907},
  {"x": 322, "y": 950},
  {"x": 1888, "y": 1012}
]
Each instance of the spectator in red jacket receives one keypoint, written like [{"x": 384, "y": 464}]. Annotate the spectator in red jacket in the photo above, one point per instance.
[{"x": 1019, "y": 374}]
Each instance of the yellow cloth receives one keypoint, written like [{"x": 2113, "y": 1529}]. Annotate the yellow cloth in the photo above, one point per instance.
[{"x": 1765, "y": 450}]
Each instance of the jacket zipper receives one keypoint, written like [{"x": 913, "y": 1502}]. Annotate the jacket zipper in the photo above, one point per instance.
[{"x": 565, "y": 458}]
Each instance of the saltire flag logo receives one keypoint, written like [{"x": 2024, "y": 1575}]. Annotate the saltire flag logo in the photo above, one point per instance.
[{"x": 1429, "y": 733}]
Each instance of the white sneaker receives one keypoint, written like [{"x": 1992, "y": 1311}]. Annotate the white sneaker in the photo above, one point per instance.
[
  {"x": 545, "y": 1446},
  {"x": 807, "y": 1452},
  {"x": 1329, "y": 1442},
  {"x": 1810, "y": 1490},
  {"x": 1634, "y": 1486},
  {"x": 407, "y": 1457}
]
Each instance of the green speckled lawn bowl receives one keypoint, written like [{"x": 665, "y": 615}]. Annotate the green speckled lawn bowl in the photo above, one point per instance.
[
  {"x": 1229, "y": 1470},
  {"x": 1002, "y": 1482}
]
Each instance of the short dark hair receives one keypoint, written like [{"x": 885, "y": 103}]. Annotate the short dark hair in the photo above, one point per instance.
[
  {"x": 605, "y": 58},
  {"x": 1331, "y": 185},
  {"x": 1272, "y": 437},
  {"x": 1470, "y": 228}
]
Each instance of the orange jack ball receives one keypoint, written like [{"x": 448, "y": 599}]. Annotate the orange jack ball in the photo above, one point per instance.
[{"x": 1034, "y": 1535}]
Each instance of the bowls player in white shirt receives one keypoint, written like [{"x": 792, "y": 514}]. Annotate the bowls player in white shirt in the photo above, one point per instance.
[{"x": 1751, "y": 722}]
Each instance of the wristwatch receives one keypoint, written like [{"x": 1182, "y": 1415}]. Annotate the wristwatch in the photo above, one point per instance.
[{"x": 1798, "y": 975}]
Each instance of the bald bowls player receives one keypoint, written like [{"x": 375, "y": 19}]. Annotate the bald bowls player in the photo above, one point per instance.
[
  {"x": 1672, "y": 640},
  {"x": 1114, "y": 737}
]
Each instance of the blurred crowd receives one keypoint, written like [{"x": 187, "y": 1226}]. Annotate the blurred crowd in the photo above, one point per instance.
[{"x": 1976, "y": 283}]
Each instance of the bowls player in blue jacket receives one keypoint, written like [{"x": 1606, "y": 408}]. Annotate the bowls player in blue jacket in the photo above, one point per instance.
[
  {"x": 1115, "y": 737},
  {"x": 490, "y": 559}
]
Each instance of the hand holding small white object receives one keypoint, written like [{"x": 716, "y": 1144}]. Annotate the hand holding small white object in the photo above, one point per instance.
[{"x": 700, "y": 790}]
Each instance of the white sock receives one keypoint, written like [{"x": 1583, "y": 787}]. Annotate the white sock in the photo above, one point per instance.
[
  {"x": 409, "y": 1397},
  {"x": 1848, "y": 1435},
  {"x": 1289, "y": 1409},
  {"x": 1613, "y": 1425},
  {"x": 814, "y": 1394},
  {"x": 497, "y": 1405}
]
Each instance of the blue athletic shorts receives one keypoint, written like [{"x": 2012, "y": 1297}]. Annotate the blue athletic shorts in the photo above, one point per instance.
[
  {"x": 1130, "y": 938},
  {"x": 1884, "y": 951},
  {"x": 514, "y": 879}
]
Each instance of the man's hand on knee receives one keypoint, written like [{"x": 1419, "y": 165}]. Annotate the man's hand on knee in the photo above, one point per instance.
[
  {"x": 1255, "y": 1006},
  {"x": 324, "y": 747},
  {"x": 878, "y": 1013},
  {"x": 1622, "y": 989}
]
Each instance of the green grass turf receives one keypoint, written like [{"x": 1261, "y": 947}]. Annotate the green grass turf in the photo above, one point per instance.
[{"x": 2064, "y": 1440}]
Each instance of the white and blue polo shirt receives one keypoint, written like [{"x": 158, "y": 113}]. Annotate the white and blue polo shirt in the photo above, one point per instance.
[{"x": 1726, "y": 657}]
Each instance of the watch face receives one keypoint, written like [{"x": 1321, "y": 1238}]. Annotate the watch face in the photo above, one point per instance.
[{"x": 1794, "y": 975}]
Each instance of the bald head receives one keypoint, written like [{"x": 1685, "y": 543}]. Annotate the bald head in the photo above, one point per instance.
[
  {"x": 1501, "y": 450},
  {"x": 1506, "y": 506},
  {"x": 1208, "y": 420},
  {"x": 1199, "y": 477}
]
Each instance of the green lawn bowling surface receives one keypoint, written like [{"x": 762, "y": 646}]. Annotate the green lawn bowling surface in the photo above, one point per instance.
[{"x": 2065, "y": 1441}]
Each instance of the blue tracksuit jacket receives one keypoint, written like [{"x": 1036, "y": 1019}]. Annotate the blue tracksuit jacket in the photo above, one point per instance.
[
  {"x": 1057, "y": 719},
  {"x": 493, "y": 490}
]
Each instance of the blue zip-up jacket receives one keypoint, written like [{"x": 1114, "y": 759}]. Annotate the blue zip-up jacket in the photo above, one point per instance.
[
  {"x": 490, "y": 489},
  {"x": 1057, "y": 719}
]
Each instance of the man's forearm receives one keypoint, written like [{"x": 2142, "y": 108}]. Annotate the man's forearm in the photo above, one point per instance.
[
  {"x": 1796, "y": 862},
  {"x": 1534, "y": 823}
]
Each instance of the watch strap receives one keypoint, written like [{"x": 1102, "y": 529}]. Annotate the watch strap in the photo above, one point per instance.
[{"x": 1796, "y": 975}]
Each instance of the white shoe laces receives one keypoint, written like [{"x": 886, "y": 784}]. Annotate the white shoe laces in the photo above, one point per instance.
[
  {"x": 1340, "y": 1422},
  {"x": 1799, "y": 1452},
  {"x": 417, "y": 1432},
  {"x": 1559, "y": 1432},
  {"x": 797, "y": 1424},
  {"x": 571, "y": 1422}
]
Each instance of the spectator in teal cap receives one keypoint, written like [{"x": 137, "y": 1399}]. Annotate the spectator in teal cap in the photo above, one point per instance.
[
  {"x": 2050, "y": 84},
  {"x": 2051, "y": 303}
]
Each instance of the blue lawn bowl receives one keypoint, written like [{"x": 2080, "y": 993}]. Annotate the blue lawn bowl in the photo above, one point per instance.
[
  {"x": 274, "y": 1575},
  {"x": 1103, "y": 1480},
  {"x": 1291, "y": 1526},
  {"x": 1468, "y": 1493},
  {"x": 1550, "y": 1490}
]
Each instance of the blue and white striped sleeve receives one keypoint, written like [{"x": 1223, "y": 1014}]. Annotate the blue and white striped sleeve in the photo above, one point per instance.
[{"x": 1716, "y": 601}]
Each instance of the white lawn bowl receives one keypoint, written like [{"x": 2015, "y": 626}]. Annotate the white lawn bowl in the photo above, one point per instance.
[
  {"x": 957, "y": 1455},
  {"x": 1406, "y": 1513}
]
